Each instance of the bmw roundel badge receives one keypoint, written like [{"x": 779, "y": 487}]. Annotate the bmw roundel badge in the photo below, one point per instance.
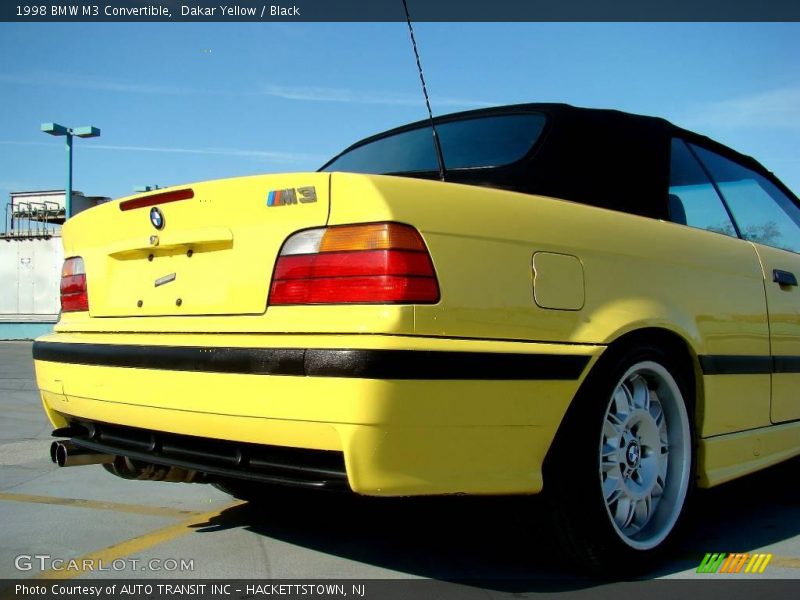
[{"x": 157, "y": 217}]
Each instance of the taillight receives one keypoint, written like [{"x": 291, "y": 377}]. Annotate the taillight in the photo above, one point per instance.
[
  {"x": 355, "y": 264},
  {"x": 74, "y": 296}
]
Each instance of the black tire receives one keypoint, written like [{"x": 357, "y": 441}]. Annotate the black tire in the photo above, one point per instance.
[{"x": 621, "y": 470}]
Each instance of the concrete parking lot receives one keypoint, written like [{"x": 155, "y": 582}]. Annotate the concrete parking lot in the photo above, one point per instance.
[{"x": 157, "y": 530}]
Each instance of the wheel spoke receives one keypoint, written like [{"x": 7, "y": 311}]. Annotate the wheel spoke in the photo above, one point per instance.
[
  {"x": 656, "y": 411},
  {"x": 622, "y": 403},
  {"x": 625, "y": 512},
  {"x": 609, "y": 455},
  {"x": 612, "y": 489},
  {"x": 663, "y": 467},
  {"x": 642, "y": 512},
  {"x": 658, "y": 488},
  {"x": 640, "y": 394},
  {"x": 612, "y": 429}
]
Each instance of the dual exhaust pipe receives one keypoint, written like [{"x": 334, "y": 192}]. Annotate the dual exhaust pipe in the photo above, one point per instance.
[{"x": 66, "y": 454}]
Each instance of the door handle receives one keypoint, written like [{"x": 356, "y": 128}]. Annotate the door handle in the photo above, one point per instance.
[{"x": 783, "y": 277}]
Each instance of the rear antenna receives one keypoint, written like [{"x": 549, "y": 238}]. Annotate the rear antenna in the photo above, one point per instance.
[{"x": 436, "y": 143}]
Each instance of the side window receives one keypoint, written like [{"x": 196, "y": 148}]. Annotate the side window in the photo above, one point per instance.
[
  {"x": 693, "y": 200},
  {"x": 763, "y": 212}
]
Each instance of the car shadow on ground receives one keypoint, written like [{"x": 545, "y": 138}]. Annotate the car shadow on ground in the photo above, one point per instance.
[{"x": 507, "y": 544}]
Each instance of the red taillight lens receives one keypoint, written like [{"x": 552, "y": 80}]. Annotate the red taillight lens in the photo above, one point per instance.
[
  {"x": 372, "y": 263},
  {"x": 74, "y": 295}
]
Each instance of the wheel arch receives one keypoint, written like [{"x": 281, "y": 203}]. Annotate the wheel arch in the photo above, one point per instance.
[
  {"x": 678, "y": 346},
  {"x": 679, "y": 349}
]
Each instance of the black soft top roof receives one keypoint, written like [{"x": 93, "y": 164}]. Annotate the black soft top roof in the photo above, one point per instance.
[{"x": 601, "y": 157}]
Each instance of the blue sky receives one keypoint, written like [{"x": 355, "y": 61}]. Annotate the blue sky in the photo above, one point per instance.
[{"x": 181, "y": 102}]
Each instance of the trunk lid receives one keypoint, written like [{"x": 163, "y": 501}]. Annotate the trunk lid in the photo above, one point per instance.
[{"x": 202, "y": 249}]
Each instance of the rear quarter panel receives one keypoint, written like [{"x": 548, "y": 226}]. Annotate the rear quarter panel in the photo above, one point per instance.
[{"x": 639, "y": 273}]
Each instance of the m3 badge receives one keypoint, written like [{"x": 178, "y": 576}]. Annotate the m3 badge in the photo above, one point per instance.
[{"x": 303, "y": 195}]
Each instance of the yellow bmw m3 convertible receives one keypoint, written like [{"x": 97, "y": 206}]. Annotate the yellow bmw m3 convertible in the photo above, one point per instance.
[{"x": 594, "y": 305}]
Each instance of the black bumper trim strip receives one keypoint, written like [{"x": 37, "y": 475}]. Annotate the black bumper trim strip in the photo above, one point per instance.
[{"x": 367, "y": 364}]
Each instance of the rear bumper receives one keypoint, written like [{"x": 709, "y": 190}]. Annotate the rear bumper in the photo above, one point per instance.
[{"x": 409, "y": 415}]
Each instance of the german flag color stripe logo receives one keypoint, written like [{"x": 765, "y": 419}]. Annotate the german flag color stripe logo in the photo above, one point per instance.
[
  {"x": 281, "y": 197},
  {"x": 303, "y": 195}
]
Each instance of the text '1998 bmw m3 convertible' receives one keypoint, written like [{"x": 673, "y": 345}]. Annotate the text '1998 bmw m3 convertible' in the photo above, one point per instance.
[{"x": 594, "y": 305}]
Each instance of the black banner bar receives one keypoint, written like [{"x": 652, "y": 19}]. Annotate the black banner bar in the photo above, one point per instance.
[
  {"x": 718, "y": 587},
  {"x": 392, "y": 10}
]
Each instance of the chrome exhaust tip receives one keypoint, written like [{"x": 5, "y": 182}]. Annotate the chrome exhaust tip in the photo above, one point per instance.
[
  {"x": 67, "y": 454},
  {"x": 53, "y": 451}
]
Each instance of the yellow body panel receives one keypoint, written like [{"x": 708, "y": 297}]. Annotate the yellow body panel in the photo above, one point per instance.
[
  {"x": 738, "y": 402},
  {"x": 411, "y": 436},
  {"x": 727, "y": 457}
]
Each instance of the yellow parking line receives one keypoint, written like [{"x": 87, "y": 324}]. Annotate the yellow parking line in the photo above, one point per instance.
[
  {"x": 107, "y": 555},
  {"x": 153, "y": 511}
]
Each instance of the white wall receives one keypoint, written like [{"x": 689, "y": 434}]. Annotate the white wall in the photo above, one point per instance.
[{"x": 30, "y": 272}]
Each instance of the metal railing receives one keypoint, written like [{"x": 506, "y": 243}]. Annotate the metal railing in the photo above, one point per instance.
[{"x": 32, "y": 220}]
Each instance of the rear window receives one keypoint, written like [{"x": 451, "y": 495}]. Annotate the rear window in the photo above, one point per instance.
[{"x": 466, "y": 144}]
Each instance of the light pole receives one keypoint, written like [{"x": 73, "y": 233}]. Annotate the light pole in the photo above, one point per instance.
[{"x": 83, "y": 132}]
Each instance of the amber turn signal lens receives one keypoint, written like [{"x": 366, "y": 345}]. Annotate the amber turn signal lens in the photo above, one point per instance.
[{"x": 373, "y": 236}]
